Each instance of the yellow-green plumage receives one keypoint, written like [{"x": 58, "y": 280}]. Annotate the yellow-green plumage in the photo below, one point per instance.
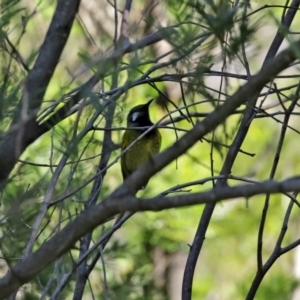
[
  {"x": 143, "y": 149},
  {"x": 140, "y": 152}
]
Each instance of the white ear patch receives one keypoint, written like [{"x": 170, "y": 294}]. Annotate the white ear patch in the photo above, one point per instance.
[{"x": 134, "y": 116}]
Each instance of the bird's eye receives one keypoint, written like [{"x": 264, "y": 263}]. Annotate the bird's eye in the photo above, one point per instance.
[{"x": 134, "y": 116}]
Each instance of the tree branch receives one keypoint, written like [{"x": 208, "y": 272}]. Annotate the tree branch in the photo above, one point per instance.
[
  {"x": 27, "y": 129},
  {"x": 23, "y": 129},
  {"x": 120, "y": 201},
  {"x": 30, "y": 266},
  {"x": 230, "y": 158}
]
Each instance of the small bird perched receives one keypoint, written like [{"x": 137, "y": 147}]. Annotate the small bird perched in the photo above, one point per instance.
[{"x": 143, "y": 149}]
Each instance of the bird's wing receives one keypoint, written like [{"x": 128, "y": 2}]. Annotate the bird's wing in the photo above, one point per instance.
[{"x": 125, "y": 144}]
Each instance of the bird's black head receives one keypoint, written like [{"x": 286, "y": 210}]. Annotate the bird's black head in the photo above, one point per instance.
[{"x": 139, "y": 116}]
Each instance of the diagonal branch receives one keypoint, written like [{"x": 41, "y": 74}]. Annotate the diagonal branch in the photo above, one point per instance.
[
  {"x": 107, "y": 148},
  {"x": 28, "y": 129},
  {"x": 23, "y": 129},
  {"x": 28, "y": 268},
  {"x": 230, "y": 158},
  {"x": 121, "y": 200}
]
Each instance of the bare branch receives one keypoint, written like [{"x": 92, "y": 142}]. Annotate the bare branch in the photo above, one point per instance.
[
  {"x": 230, "y": 158},
  {"x": 30, "y": 266},
  {"x": 94, "y": 216},
  {"x": 16, "y": 141}
]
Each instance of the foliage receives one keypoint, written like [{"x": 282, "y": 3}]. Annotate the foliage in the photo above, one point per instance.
[{"x": 68, "y": 80}]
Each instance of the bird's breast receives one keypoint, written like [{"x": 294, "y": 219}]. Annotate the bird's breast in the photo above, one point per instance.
[{"x": 143, "y": 149}]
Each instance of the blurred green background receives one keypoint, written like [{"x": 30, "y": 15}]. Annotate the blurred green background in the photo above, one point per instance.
[{"x": 145, "y": 259}]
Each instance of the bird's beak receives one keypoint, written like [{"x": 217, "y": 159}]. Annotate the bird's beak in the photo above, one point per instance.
[{"x": 149, "y": 102}]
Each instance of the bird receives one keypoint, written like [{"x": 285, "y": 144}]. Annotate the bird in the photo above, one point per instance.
[{"x": 145, "y": 148}]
